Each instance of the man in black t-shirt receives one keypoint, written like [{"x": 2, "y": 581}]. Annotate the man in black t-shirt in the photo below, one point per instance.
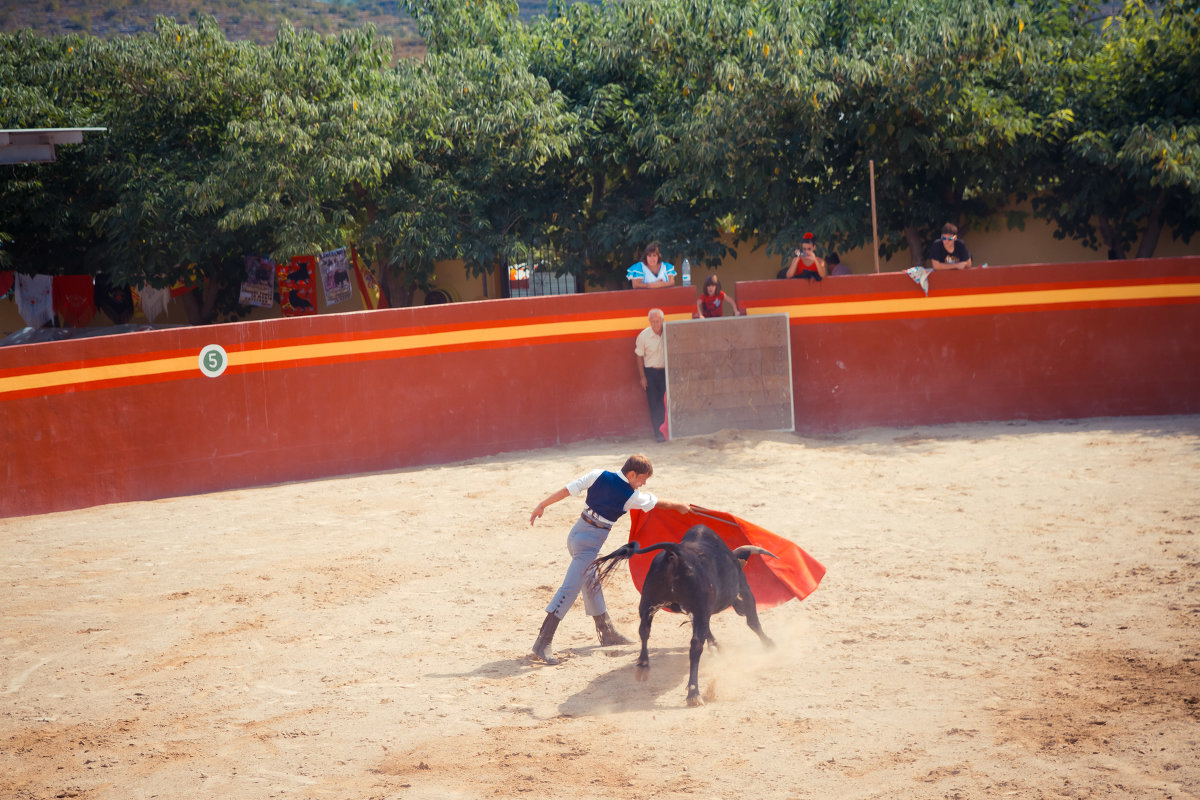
[{"x": 948, "y": 252}]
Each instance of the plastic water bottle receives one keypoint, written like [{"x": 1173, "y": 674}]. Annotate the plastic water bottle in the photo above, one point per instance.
[{"x": 687, "y": 272}]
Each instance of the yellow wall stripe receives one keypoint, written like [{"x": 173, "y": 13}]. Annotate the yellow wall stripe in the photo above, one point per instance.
[
  {"x": 542, "y": 330},
  {"x": 992, "y": 300},
  {"x": 65, "y": 377},
  {"x": 468, "y": 336},
  {"x": 324, "y": 350}
]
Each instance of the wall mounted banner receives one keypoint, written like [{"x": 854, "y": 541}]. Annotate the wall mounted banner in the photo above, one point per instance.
[
  {"x": 368, "y": 286},
  {"x": 258, "y": 289},
  {"x": 74, "y": 299},
  {"x": 335, "y": 276},
  {"x": 298, "y": 286}
]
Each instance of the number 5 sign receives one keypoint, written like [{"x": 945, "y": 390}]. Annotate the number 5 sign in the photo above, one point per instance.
[{"x": 213, "y": 360}]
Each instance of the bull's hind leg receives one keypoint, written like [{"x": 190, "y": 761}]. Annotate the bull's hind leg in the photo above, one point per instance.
[{"x": 642, "y": 671}]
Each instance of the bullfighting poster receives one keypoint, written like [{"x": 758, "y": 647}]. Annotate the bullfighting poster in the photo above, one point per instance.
[
  {"x": 258, "y": 287},
  {"x": 335, "y": 276},
  {"x": 774, "y": 581},
  {"x": 297, "y": 286}
]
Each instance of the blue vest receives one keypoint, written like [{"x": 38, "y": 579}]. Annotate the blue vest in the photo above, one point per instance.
[{"x": 608, "y": 495}]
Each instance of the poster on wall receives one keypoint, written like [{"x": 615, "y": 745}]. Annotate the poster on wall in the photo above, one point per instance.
[
  {"x": 298, "y": 286},
  {"x": 335, "y": 276},
  {"x": 258, "y": 289}
]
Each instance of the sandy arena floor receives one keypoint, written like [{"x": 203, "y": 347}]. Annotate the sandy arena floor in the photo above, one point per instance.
[{"x": 1011, "y": 610}]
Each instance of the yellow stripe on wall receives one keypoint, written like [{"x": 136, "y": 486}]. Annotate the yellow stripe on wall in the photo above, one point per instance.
[
  {"x": 1038, "y": 297},
  {"x": 323, "y": 350},
  {"x": 64, "y": 377},
  {"x": 469, "y": 336},
  {"x": 543, "y": 330}
]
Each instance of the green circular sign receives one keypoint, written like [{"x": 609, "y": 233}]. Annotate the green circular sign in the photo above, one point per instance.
[{"x": 213, "y": 360}]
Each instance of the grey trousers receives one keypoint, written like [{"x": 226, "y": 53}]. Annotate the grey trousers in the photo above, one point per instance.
[{"x": 583, "y": 543}]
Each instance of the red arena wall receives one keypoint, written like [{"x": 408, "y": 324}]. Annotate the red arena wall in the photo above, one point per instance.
[
  {"x": 133, "y": 417},
  {"x": 1047, "y": 341}
]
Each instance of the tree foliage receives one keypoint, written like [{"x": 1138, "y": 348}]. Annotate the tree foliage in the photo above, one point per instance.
[
  {"x": 593, "y": 129},
  {"x": 1130, "y": 164},
  {"x": 488, "y": 132}
]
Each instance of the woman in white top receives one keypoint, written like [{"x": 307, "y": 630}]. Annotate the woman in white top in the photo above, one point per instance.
[{"x": 652, "y": 272}]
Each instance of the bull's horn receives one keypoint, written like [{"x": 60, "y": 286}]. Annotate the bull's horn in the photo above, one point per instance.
[{"x": 745, "y": 551}]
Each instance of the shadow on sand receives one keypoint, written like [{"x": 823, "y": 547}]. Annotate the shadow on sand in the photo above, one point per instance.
[{"x": 618, "y": 690}]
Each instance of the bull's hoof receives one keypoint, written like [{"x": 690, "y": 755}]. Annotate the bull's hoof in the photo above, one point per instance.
[
  {"x": 641, "y": 673},
  {"x": 693, "y": 697}
]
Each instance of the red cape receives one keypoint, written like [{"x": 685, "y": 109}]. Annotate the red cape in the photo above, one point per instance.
[{"x": 773, "y": 580}]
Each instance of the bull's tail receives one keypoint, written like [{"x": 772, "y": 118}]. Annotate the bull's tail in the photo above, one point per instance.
[
  {"x": 599, "y": 571},
  {"x": 743, "y": 553}
]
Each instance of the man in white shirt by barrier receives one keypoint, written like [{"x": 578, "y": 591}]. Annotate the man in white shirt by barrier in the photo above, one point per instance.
[{"x": 652, "y": 367}]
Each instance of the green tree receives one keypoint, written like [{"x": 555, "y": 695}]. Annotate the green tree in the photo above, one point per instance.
[
  {"x": 732, "y": 123},
  {"x": 1131, "y": 163},
  {"x": 594, "y": 130},
  {"x": 117, "y": 207},
  {"x": 171, "y": 98},
  {"x": 761, "y": 118},
  {"x": 484, "y": 133},
  {"x": 312, "y": 144},
  {"x": 620, "y": 69},
  {"x": 945, "y": 117},
  {"x": 45, "y": 208},
  {"x": 794, "y": 100}
]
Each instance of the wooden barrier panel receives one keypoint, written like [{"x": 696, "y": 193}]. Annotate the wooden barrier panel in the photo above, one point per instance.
[{"x": 728, "y": 372}]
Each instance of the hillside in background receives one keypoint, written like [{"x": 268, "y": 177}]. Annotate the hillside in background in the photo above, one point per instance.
[{"x": 256, "y": 20}]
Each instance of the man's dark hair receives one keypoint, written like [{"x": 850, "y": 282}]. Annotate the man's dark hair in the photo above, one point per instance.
[{"x": 637, "y": 463}]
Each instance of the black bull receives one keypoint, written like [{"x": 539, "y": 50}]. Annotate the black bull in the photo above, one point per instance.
[{"x": 700, "y": 576}]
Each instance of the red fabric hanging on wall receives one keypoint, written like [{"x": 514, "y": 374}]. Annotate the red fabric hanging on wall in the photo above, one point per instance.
[{"x": 74, "y": 299}]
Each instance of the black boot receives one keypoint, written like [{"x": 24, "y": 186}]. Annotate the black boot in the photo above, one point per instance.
[
  {"x": 541, "y": 647},
  {"x": 607, "y": 633}
]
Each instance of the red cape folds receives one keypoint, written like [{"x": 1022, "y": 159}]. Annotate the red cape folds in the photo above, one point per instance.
[{"x": 774, "y": 581}]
